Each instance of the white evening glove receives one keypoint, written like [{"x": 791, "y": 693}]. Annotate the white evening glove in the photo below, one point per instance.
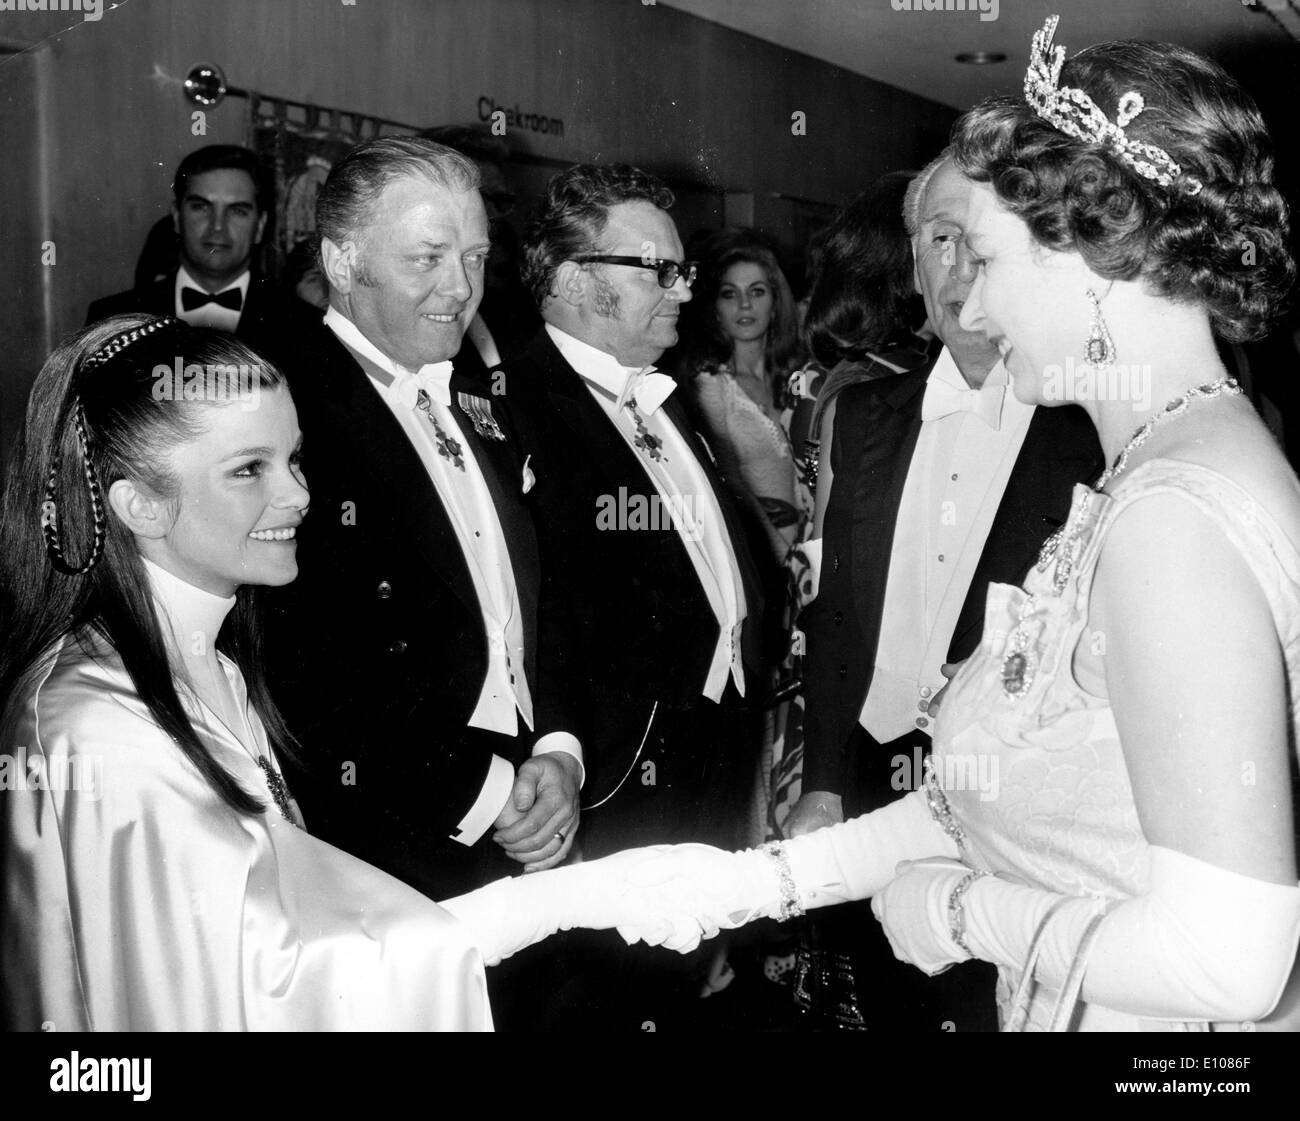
[
  {"x": 913, "y": 910},
  {"x": 677, "y": 895},
  {"x": 856, "y": 859},
  {"x": 1202, "y": 944},
  {"x": 697, "y": 890},
  {"x": 635, "y": 891}
]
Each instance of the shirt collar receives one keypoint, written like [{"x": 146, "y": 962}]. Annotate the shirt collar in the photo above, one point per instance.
[
  {"x": 945, "y": 370},
  {"x": 989, "y": 401},
  {"x": 350, "y": 335},
  {"x": 998, "y": 376},
  {"x": 599, "y": 367},
  {"x": 433, "y": 377}
]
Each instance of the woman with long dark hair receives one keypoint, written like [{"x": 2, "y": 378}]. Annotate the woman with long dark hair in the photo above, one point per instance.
[
  {"x": 156, "y": 875},
  {"x": 744, "y": 346}
]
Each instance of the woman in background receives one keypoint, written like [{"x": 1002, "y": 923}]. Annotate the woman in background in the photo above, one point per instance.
[{"x": 744, "y": 348}]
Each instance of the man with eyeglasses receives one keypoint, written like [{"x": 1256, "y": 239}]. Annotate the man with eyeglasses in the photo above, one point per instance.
[
  {"x": 634, "y": 520},
  {"x": 637, "y": 532}
]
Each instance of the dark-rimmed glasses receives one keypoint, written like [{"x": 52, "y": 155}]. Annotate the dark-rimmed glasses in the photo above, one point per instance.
[{"x": 665, "y": 271}]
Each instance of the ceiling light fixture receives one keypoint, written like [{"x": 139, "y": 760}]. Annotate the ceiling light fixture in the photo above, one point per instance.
[{"x": 981, "y": 58}]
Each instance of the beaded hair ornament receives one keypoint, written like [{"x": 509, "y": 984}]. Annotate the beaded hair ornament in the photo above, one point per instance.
[
  {"x": 1076, "y": 114},
  {"x": 49, "y": 506}
]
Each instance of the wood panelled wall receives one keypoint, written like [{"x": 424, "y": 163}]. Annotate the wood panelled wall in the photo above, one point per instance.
[{"x": 94, "y": 122}]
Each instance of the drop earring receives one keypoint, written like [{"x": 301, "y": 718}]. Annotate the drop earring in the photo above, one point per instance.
[{"x": 1100, "y": 347}]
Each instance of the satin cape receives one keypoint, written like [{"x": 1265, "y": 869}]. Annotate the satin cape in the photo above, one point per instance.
[{"x": 134, "y": 899}]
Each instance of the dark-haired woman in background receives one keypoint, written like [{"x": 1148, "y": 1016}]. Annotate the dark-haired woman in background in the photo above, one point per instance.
[
  {"x": 744, "y": 346},
  {"x": 1136, "y": 698}
]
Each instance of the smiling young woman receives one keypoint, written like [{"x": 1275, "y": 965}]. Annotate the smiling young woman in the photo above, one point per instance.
[{"x": 179, "y": 890}]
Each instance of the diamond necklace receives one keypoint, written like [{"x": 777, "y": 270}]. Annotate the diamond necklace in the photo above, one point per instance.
[
  {"x": 1020, "y": 660},
  {"x": 1176, "y": 407}
]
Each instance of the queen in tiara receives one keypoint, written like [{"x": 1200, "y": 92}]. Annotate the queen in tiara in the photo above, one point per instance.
[{"x": 1107, "y": 815}]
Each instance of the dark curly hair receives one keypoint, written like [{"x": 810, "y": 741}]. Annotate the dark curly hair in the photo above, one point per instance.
[
  {"x": 1224, "y": 248},
  {"x": 574, "y": 213},
  {"x": 864, "y": 292}
]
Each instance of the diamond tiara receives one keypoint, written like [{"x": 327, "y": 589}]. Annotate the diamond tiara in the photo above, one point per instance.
[{"x": 1076, "y": 114}]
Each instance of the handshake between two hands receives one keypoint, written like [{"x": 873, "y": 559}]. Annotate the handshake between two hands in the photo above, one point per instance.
[
  {"x": 676, "y": 896},
  {"x": 673, "y": 896}
]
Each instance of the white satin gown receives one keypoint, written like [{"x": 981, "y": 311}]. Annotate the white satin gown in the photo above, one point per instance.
[{"x": 134, "y": 899}]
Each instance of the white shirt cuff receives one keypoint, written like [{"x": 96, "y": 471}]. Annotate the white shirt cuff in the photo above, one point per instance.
[
  {"x": 567, "y": 743},
  {"x": 491, "y": 801},
  {"x": 812, "y": 550}
]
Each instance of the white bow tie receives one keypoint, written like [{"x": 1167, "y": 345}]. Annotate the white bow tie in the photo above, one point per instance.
[
  {"x": 942, "y": 399},
  {"x": 434, "y": 379},
  {"x": 648, "y": 388}
]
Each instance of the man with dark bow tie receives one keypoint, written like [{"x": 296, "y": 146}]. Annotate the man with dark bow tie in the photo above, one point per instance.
[
  {"x": 221, "y": 200},
  {"x": 416, "y": 656},
  {"x": 637, "y": 532},
  {"x": 935, "y": 483}
]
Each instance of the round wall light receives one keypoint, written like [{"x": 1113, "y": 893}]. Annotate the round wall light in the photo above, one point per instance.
[{"x": 205, "y": 85}]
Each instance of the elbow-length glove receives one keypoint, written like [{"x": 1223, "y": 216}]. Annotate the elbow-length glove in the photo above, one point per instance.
[
  {"x": 1202, "y": 943},
  {"x": 676, "y": 895}
]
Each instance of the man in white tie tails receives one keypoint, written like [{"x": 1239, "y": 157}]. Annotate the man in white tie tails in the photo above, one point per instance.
[
  {"x": 415, "y": 656},
  {"x": 934, "y": 484},
  {"x": 644, "y": 540},
  {"x": 636, "y": 529}
]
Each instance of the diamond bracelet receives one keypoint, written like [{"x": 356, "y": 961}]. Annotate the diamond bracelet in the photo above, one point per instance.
[
  {"x": 957, "y": 910},
  {"x": 790, "y": 905}
]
